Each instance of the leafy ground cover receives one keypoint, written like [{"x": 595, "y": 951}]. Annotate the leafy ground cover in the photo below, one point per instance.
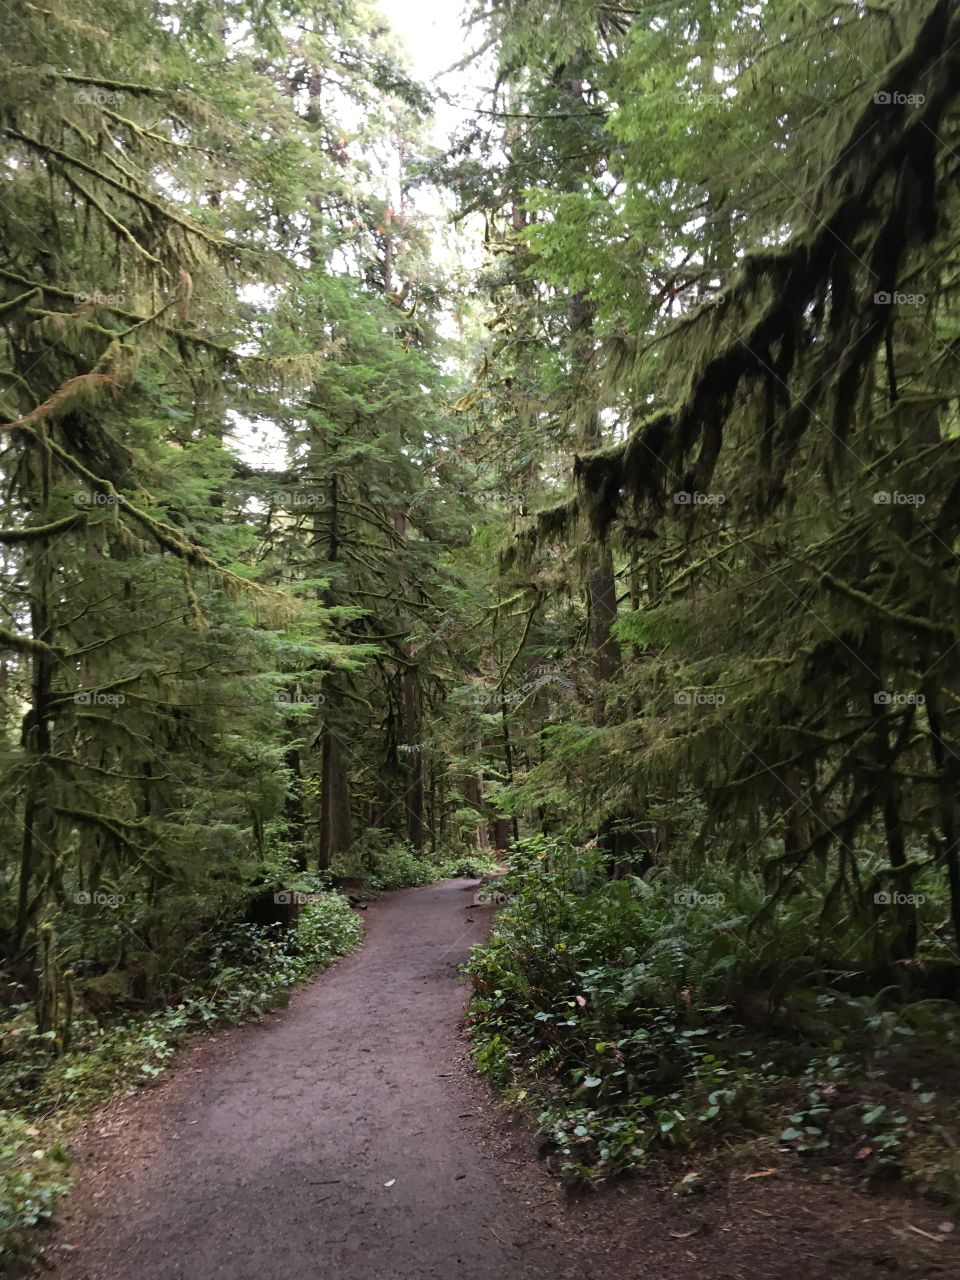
[{"x": 645, "y": 1018}]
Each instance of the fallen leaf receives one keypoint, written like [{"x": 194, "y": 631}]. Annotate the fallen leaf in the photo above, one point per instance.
[
  {"x": 761, "y": 1173},
  {"x": 390, "y": 1183},
  {"x": 581, "y": 1002}
]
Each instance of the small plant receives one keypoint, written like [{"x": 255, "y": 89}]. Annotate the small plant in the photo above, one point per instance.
[
  {"x": 884, "y": 1141},
  {"x": 33, "y": 1173},
  {"x": 807, "y": 1128}
]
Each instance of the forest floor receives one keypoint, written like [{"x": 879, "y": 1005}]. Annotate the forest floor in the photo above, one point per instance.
[{"x": 347, "y": 1138}]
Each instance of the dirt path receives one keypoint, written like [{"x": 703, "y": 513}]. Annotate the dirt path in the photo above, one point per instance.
[
  {"x": 267, "y": 1153},
  {"x": 346, "y": 1139}
]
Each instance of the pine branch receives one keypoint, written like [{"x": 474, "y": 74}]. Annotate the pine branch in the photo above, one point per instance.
[
  {"x": 30, "y": 532},
  {"x": 26, "y": 644}
]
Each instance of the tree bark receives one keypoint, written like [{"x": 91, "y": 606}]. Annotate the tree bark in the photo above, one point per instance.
[{"x": 336, "y": 819}]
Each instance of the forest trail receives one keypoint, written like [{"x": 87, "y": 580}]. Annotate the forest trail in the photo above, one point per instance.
[
  {"x": 335, "y": 1139},
  {"x": 346, "y": 1138}
]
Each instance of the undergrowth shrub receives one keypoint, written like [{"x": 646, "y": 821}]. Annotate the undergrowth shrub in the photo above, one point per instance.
[
  {"x": 649, "y": 1013},
  {"x": 380, "y": 863},
  {"x": 33, "y": 1173}
]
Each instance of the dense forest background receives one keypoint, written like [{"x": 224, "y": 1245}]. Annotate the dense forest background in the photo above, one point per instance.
[{"x": 586, "y": 488}]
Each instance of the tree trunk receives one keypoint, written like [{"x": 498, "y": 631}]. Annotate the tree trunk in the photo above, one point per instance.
[
  {"x": 39, "y": 839},
  {"x": 410, "y": 719},
  {"x": 473, "y": 788},
  {"x": 336, "y": 821}
]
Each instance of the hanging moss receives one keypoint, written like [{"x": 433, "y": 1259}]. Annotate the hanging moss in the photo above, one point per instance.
[{"x": 876, "y": 205}]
